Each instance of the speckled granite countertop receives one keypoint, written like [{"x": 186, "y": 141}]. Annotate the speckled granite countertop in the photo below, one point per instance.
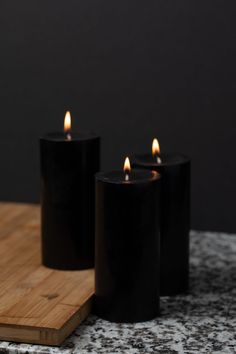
[{"x": 202, "y": 322}]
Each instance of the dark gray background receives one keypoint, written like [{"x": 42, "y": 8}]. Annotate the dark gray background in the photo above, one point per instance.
[{"x": 130, "y": 70}]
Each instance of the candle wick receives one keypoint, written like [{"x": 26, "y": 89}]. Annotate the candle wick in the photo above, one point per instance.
[
  {"x": 68, "y": 136},
  {"x": 126, "y": 177},
  {"x": 158, "y": 159}
]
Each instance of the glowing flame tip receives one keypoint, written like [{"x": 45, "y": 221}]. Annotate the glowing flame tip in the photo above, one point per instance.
[
  {"x": 67, "y": 122},
  {"x": 155, "y": 147},
  {"x": 127, "y": 167}
]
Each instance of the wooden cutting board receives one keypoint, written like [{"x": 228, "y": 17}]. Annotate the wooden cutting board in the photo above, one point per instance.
[{"x": 37, "y": 304}]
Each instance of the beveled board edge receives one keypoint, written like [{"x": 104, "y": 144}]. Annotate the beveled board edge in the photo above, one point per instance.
[{"x": 45, "y": 336}]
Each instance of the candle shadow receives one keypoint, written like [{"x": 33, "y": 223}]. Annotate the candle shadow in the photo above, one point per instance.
[{"x": 212, "y": 293}]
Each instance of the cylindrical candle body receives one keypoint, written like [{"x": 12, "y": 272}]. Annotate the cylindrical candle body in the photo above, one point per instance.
[
  {"x": 68, "y": 170},
  {"x": 127, "y": 246},
  {"x": 175, "y": 219}
]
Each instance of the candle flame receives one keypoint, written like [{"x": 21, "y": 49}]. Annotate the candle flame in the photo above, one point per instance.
[
  {"x": 155, "y": 147},
  {"x": 127, "y": 167},
  {"x": 67, "y": 122}
]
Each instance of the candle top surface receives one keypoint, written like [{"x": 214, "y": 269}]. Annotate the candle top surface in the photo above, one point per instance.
[
  {"x": 166, "y": 159},
  {"x": 135, "y": 176},
  {"x": 69, "y": 136}
]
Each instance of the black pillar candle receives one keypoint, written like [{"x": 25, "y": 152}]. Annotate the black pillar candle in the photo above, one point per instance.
[
  {"x": 175, "y": 218},
  {"x": 69, "y": 162},
  {"x": 127, "y": 246}
]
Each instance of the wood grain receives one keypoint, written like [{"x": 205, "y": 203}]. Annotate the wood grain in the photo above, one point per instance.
[{"x": 37, "y": 304}]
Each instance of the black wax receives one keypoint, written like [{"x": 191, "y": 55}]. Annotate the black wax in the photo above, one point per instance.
[
  {"x": 127, "y": 246},
  {"x": 175, "y": 219},
  {"x": 68, "y": 170}
]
